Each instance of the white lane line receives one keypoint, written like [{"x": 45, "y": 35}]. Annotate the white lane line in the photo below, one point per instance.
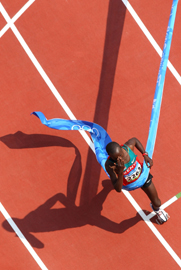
[
  {"x": 70, "y": 114},
  {"x": 152, "y": 228},
  {"x": 18, "y": 14},
  {"x": 62, "y": 103},
  {"x": 136, "y": 18},
  {"x": 42, "y": 73},
  {"x": 150, "y": 38},
  {"x": 22, "y": 238},
  {"x": 165, "y": 205}
]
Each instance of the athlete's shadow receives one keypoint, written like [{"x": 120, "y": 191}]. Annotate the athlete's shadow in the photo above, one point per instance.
[
  {"x": 46, "y": 218},
  {"x": 20, "y": 140}
]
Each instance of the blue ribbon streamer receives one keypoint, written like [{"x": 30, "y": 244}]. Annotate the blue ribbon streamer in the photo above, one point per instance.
[
  {"x": 159, "y": 91},
  {"x": 100, "y": 136}
]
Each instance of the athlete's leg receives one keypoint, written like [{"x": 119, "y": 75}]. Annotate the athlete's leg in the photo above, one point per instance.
[{"x": 152, "y": 195}]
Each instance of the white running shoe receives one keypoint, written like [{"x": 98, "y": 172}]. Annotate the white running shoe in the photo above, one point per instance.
[{"x": 161, "y": 214}]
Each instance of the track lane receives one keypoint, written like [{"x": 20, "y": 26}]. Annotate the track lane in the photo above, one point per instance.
[{"x": 80, "y": 147}]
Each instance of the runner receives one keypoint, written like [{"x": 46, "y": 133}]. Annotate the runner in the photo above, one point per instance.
[
  {"x": 119, "y": 162},
  {"x": 124, "y": 168}
]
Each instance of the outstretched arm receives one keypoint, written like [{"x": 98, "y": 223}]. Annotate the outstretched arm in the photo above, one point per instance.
[{"x": 134, "y": 142}]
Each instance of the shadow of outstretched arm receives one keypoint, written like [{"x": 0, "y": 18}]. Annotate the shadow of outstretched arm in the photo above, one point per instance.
[{"x": 20, "y": 140}]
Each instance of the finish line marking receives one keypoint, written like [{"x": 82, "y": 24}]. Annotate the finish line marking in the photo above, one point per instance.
[
  {"x": 152, "y": 228},
  {"x": 70, "y": 114},
  {"x": 166, "y": 204}
]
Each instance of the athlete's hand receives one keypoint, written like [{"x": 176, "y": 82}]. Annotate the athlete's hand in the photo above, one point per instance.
[
  {"x": 148, "y": 161},
  {"x": 120, "y": 164}
]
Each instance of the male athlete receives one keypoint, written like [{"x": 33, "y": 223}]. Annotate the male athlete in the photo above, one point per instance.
[
  {"x": 124, "y": 168},
  {"x": 122, "y": 164}
]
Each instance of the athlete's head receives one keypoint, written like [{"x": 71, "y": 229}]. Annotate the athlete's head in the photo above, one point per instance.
[{"x": 114, "y": 150}]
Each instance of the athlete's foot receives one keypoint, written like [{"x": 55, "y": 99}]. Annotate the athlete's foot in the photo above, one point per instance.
[{"x": 161, "y": 214}]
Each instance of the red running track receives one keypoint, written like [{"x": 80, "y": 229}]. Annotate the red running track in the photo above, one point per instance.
[{"x": 105, "y": 69}]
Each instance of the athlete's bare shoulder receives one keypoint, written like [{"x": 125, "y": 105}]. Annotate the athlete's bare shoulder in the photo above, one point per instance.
[{"x": 131, "y": 143}]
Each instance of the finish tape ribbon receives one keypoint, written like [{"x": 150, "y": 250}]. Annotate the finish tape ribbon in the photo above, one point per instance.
[{"x": 159, "y": 89}]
